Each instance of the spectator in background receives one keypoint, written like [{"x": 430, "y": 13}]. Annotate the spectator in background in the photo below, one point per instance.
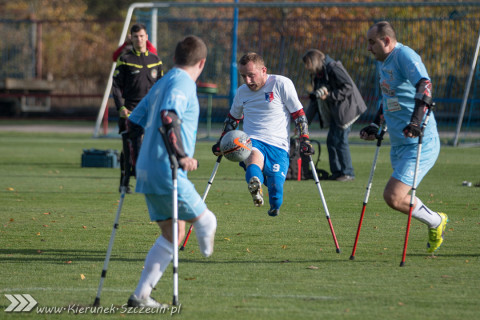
[
  {"x": 339, "y": 103},
  {"x": 136, "y": 72}
]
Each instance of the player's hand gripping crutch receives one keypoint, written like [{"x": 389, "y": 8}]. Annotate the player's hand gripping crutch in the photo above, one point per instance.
[
  {"x": 317, "y": 182},
  {"x": 414, "y": 186},
  {"x": 209, "y": 184},
  {"x": 174, "y": 166},
  {"x": 123, "y": 191},
  {"x": 380, "y": 135}
]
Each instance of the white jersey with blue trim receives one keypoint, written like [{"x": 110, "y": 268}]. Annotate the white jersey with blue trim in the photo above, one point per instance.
[
  {"x": 175, "y": 91},
  {"x": 399, "y": 73},
  {"x": 267, "y": 111}
]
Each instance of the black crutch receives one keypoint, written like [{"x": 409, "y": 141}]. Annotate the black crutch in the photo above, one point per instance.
[
  {"x": 380, "y": 135},
  {"x": 317, "y": 182},
  {"x": 209, "y": 184},
  {"x": 414, "y": 187},
  {"x": 174, "y": 166}
]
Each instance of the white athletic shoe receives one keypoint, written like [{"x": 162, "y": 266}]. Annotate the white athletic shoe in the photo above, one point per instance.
[
  {"x": 148, "y": 302},
  {"x": 255, "y": 188}
]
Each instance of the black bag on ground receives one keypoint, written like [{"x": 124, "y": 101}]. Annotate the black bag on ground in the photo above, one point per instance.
[
  {"x": 299, "y": 168},
  {"x": 100, "y": 158}
]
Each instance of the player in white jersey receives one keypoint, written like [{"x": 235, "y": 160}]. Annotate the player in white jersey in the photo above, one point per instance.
[
  {"x": 172, "y": 103},
  {"x": 406, "y": 95},
  {"x": 266, "y": 103}
]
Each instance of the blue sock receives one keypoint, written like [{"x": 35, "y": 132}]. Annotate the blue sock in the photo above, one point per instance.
[
  {"x": 275, "y": 191},
  {"x": 253, "y": 171}
]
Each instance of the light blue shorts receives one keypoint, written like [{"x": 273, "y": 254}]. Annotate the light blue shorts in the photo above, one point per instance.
[
  {"x": 160, "y": 206},
  {"x": 404, "y": 159}
]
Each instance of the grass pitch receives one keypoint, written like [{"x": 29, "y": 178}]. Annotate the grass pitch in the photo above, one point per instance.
[{"x": 56, "y": 219}]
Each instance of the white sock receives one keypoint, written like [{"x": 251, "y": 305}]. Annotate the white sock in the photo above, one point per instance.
[
  {"x": 422, "y": 213},
  {"x": 205, "y": 228},
  {"x": 157, "y": 260}
]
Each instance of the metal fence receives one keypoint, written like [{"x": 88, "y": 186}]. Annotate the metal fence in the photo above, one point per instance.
[{"x": 444, "y": 34}]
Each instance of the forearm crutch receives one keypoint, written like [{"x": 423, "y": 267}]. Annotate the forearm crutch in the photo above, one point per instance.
[
  {"x": 414, "y": 186},
  {"x": 317, "y": 182},
  {"x": 380, "y": 135},
  {"x": 123, "y": 190},
  {"x": 209, "y": 184},
  {"x": 174, "y": 166}
]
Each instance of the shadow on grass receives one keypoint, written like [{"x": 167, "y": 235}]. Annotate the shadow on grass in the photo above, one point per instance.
[{"x": 59, "y": 256}]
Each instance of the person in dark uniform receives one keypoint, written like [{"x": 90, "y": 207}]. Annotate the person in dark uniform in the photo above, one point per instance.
[{"x": 136, "y": 72}]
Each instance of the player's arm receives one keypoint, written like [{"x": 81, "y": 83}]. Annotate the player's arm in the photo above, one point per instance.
[
  {"x": 370, "y": 132},
  {"x": 117, "y": 90},
  {"x": 229, "y": 124},
  {"x": 301, "y": 125},
  {"x": 423, "y": 100},
  {"x": 172, "y": 125}
]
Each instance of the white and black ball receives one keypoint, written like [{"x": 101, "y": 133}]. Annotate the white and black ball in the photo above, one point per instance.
[{"x": 236, "y": 146}]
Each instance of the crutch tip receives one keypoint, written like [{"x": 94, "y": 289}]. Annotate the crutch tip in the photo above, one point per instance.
[
  {"x": 402, "y": 263},
  {"x": 352, "y": 257},
  {"x": 182, "y": 248},
  {"x": 96, "y": 303},
  {"x": 338, "y": 250}
]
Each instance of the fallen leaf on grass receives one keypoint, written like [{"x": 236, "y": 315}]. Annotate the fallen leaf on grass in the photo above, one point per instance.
[
  {"x": 193, "y": 278},
  {"x": 10, "y": 189},
  {"x": 248, "y": 250},
  {"x": 284, "y": 246},
  {"x": 312, "y": 267},
  {"x": 84, "y": 227},
  {"x": 228, "y": 239},
  {"x": 68, "y": 262},
  {"x": 82, "y": 276},
  {"x": 46, "y": 213}
]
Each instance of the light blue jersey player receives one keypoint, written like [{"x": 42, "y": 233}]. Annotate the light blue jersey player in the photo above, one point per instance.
[
  {"x": 406, "y": 95},
  {"x": 266, "y": 103},
  {"x": 171, "y": 103}
]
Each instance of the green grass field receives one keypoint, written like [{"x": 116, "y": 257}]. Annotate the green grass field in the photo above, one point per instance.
[{"x": 56, "y": 219}]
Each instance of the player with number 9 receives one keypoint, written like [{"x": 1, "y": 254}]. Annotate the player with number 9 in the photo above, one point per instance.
[{"x": 266, "y": 103}]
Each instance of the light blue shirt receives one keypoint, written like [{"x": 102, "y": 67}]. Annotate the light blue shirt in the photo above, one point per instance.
[
  {"x": 174, "y": 91},
  {"x": 399, "y": 74}
]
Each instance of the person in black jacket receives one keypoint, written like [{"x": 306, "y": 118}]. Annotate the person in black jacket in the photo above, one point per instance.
[
  {"x": 136, "y": 72},
  {"x": 339, "y": 103}
]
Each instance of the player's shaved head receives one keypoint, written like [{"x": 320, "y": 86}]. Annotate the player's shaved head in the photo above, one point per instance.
[{"x": 384, "y": 28}]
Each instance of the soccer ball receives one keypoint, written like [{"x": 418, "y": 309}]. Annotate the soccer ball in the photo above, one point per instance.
[{"x": 236, "y": 146}]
